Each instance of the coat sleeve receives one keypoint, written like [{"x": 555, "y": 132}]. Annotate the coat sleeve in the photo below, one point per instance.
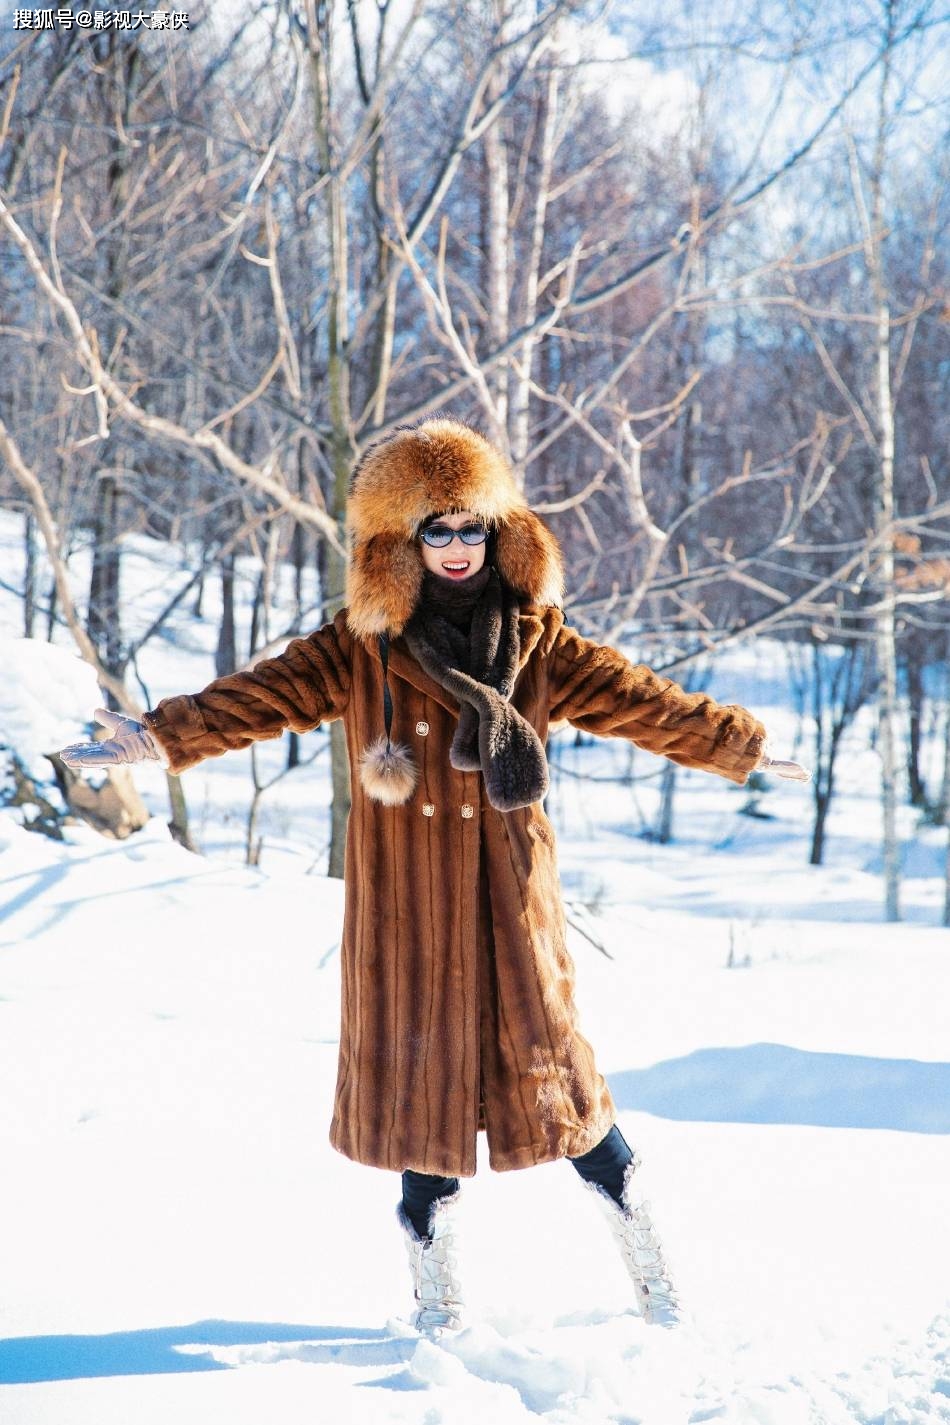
[
  {"x": 307, "y": 684},
  {"x": 595, "y": 688}
]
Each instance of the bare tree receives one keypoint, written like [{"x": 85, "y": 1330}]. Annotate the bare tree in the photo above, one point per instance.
[{"x": 233, "y": 292}]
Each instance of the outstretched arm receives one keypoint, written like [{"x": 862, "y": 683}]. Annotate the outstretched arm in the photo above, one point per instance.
[
  {"x": 307, "y": 684},
  {"x": 598, "y": 690}
]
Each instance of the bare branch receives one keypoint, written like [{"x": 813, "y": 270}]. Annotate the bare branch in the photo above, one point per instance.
[
  {"x": 30, "y": 484},
  {"x": 203, "y": 440}
]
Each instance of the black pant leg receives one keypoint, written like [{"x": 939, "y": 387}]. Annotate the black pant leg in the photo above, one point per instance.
[
  {"x": 606, "y": 1163},
  {"x": 419, "y": 1192}
]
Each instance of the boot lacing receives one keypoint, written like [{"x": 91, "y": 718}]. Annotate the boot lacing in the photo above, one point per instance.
[
  {"x": 642, "y": 1253},
  {"x": 433, "y": 1262}
]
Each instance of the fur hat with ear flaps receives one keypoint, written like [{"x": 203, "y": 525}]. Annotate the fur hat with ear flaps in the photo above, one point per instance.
[{"x": 420, "y": 471}]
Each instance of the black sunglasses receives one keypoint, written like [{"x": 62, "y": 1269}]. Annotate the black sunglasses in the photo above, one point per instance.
[{"x": 437, "y": 536}]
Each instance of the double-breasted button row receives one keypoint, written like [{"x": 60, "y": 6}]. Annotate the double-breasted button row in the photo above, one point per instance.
[{"x": 466, "y": 809}]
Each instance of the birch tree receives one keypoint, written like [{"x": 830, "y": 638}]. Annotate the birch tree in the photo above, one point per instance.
[{"x": 382, "y": 214}]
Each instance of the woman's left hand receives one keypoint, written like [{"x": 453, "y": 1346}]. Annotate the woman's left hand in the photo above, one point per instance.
[{"x": 791, "y": 771}]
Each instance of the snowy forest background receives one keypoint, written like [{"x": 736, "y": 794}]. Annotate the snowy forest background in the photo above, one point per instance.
[
  {"x": 687, "y": 264},
  {"x": 688, "y": 268}
]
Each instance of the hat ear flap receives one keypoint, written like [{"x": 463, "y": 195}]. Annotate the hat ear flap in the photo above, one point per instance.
[
  {"x": 383, "y": 583},
  {"x": 528, "y": 557}
]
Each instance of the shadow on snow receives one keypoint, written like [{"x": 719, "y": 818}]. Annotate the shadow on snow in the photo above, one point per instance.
[
  {"x": 772, "y": 1083},
  {"x": 31, "y": 1359}
]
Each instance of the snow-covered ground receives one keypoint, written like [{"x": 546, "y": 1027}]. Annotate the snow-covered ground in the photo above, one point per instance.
[{"x": 178, "y": 1242}]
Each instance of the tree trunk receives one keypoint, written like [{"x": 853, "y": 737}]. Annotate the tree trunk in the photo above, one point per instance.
[
  {"x": 386, "y": 320},
  {"x": 944, "y": 801},
  {"x": 945, "y": 781},
  {"x": 178, "y": 824},
  {"x": 664, "y": 827},
  {"x": 29, "y": 579},
  {"x": 254, "y": 637},
  {"x": 886, "y": 627},
  {"x": 817, "y": 850},
  {"x": 338, "y": 383},
  {"x": 52, "y": 604},
  {"x": 884, "y": 510},
  {"x": 823, "y": 776},
  {"x": 119, "y": 80},
  {"x": 497, "y": 279},
  {"x": 104, "y": 606},
  {"x": 915, "y": 700},
  {"x": 521, "y": 380},
  {"x": 252, "y": 842},
  {"x": 225, "y": 657},
  {"x": 689, "y": 357},
  {"x": 339, "y": 762},
  {"x": 822, "y": 807},
  {"x": 298, "y": 556},
  {"x": 299, "y": 545}
]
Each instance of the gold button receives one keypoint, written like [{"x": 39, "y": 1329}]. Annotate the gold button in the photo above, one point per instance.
[
  {"x": 422, "y": 728},
  {"x": 467, "y": 810},
  {"x": 428, "y": 809}
]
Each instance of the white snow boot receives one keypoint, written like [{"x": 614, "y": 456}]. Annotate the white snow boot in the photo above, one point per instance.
[
  {"x": 642, "y": 1253},
  {"x": 432, "y": 1261}
]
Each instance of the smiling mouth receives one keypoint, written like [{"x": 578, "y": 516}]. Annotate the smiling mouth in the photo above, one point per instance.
[{"x": 457, "y": 566}]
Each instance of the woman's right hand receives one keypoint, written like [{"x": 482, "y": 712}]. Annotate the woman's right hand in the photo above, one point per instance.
[{"x": 129, "y": 742}]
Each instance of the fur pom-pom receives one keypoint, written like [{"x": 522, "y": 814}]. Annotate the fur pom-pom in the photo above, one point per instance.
[{"x": 387, "y": 772}]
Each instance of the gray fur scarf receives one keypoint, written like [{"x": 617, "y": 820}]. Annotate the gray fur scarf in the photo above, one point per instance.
[{"x": 479, "y": 668}]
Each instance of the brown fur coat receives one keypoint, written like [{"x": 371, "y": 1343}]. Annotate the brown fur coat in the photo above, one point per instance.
[{"x": 457, "y": 986}]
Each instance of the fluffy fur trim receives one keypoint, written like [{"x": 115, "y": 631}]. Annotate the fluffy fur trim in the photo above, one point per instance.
[
  {"x": 383, "y": 581},
  {"x": 491, "y": 737},
  {"x": 421, "y": 471},
  {"x": 528, "y": 558},
  {"x": 387, "y": 772}
]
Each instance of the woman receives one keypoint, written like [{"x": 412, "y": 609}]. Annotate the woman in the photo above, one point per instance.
[{"x": 448, "y": 666}]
